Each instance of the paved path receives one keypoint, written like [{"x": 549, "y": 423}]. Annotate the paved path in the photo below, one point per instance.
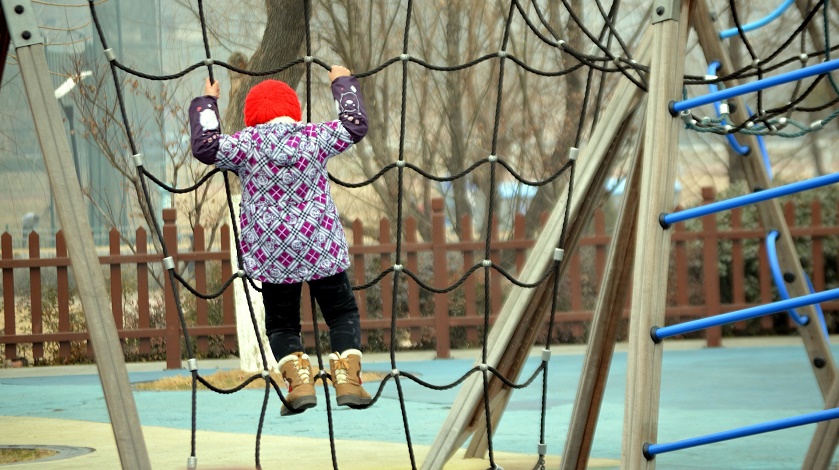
[{"x": 703, "y": 391}]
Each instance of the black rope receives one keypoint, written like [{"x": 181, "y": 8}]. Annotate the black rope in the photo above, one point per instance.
[{"x": 608, "y": 63}]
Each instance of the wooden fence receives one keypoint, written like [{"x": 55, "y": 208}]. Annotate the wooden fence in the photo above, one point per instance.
[{"x": 696, "y": 289}]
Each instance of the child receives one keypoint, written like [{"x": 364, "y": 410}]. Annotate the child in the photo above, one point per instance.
[{"x": 291, "y": 231}]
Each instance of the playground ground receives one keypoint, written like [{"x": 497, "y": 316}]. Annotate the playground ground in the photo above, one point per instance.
[{"x": 747, "y": 381}]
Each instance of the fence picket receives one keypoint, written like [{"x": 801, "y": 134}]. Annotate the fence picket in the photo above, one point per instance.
[{"x": 587, "y": 267}]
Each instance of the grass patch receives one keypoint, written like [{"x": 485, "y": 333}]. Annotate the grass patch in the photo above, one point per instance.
[
  {"x": 228, "y": 379},
  {"x": 23, "y": 455}
]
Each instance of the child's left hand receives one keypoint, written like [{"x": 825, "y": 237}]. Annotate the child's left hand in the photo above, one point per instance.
[{"x": 212, "y": 89}]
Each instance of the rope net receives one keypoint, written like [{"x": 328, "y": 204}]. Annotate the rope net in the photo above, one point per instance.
[{"x": 765, "y": 121}]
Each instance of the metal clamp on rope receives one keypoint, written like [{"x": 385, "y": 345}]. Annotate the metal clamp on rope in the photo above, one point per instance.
[
  {"x": 559, "y": 254},
  {"x": 404, "y": 57},
  {"x": 486, "y": 263},
  {"x": 397, "y": 267},
  {"x": 241, "y": 273},
  {"x": 816, "y": 125},
  {"x": 484, "y": 367},
  {"x": 724, "y": 111},
  {"x": 168, "y": 263},
  {"x": 394, "y": 373},
  {"x": 803, "y": 58},
  {"x": 308, "y": 59},
  {"x": 546, "y": 355},
  {"x": 192, "y": 463},
  {"x": 109, "y": 54},
  {"x": 492, "y": 158},
  {"x": 265, "y": 373},
  {"x": 572, "y": 153},
  {"x": 688, "y": 118},
  {"x": 192, "y": 363},
  {"x": 502, "y": 54},
  {"x": 138, "y": 159},
  {"x": 542, "y": 448},
  {"x": 560, "y": 44},
  {"x": 400, "y": 163},
  {"x": 208, "y": 61}
]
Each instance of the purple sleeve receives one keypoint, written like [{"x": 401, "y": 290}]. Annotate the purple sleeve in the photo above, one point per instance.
[
  {"x": 204, "y": 128},
  {"x": 351, "y": 111}
]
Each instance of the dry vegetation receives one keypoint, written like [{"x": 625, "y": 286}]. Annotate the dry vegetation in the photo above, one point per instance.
[{"x": 10, "y": 456}]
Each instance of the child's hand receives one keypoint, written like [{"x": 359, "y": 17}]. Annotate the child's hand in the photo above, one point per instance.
[
  {"x": 338, "y": 71},
  {"x": 212, "y": 89}
]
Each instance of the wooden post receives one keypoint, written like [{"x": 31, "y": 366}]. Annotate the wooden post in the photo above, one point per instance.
[
  {"x": 771, "y": 215},
  {"x": 143, "y": 310},
  {"x": 524, "y": 311},
  {"x": 36, "y": 306},
  {"x": 770, "y": 212},
  {"x": 711, "y": 271},
  {"x": 601, "y": 342},
  {"x": 10, "y": 322},
  {"x": 63, "y": 291},
  {"x": 652, "y": 243},
  {"x": 72, "y": 214},
  {"x": 173, "y": 321},
  {"x": 441, "y": 276}
]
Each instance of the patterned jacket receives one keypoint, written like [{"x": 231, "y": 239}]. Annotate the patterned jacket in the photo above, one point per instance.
[{"x": 291, "y": 231}]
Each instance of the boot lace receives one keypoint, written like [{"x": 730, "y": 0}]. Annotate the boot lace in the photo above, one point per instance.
[
  {"x": 303, "y": 368},
  {"x": 340, "y": 367}
]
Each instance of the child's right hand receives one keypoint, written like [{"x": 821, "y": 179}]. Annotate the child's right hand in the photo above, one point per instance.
[
  {"x": 338, "y": 71},
  {"x": 212, "y": 89}
]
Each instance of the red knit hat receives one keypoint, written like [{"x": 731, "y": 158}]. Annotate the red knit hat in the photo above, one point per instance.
[{"x": 268, "y": 100}]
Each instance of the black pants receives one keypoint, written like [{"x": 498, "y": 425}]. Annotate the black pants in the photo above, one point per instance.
[{"x": 337, "y": 304}]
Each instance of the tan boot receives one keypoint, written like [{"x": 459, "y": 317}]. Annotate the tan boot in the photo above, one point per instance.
[
  {"x": 346, "y": 377},
  {"x": 297, "y": 373}
]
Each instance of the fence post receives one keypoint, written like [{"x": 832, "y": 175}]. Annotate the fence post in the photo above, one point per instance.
[
  {"x": 228, "y": 303},
  {"x": 37, "y": 309},
  {"x": 8, "y": 295},
  {"x": 710, "y": 252},
  {"x": 143, "y": 310},
  {"x": 441, "y": 277},
  {"x": 63, "y": 292},
  {"x": 116, "y": 279},
  {"x": 386, "y": 284},
  {"x": 173, "y": 322},
  {"x": 359, "y": 273}
]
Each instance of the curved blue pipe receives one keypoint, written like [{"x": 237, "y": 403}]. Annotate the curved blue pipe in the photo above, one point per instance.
[
  {"x": 727, "y": 33},
  {"x": 741, "y": 149},
  {"x": 771, "y": 250}
]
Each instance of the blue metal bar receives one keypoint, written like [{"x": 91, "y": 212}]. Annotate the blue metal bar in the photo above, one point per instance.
[
  {"x": 757, "y": 85},
  {"x": 741, "y": 149},
  {"x": 772, "y": 251},
  {"x": 660, "y": 333},
  {"x": 669, "y": 219},
  {"x": 727, "y": 33},
  {"x": 651, "y": 450}
]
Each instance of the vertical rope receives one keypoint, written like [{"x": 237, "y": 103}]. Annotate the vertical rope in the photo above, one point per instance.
[{"x": 399, "y": 215}]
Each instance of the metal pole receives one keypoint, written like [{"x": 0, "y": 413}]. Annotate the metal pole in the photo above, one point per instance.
[
  {"x": 659, "y": 334},
  {"x": 757, "y": 85},
  {"x": 651, "y": 450},
  {"x": 746, "y": 199}
]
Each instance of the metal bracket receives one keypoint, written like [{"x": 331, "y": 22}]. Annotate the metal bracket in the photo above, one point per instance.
[
  {"x": 664, "y": 10},
  {"x": 20, "y": 19}
]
